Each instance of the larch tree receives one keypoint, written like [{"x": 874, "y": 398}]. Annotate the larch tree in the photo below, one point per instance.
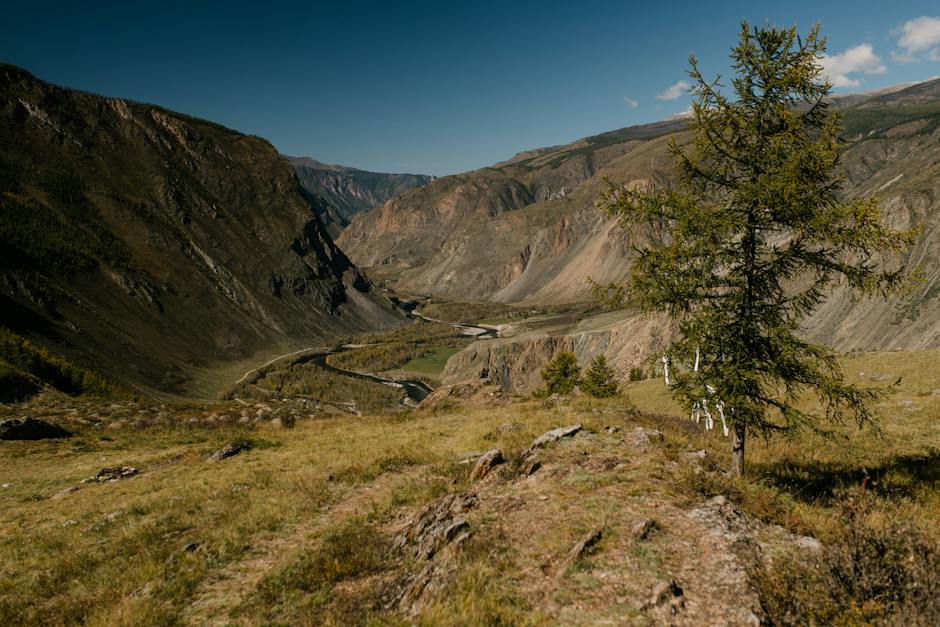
[{"x": 747, "y": 241}]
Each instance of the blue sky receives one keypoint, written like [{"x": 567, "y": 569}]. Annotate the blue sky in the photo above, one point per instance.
[{"x": 436, "y": 87}]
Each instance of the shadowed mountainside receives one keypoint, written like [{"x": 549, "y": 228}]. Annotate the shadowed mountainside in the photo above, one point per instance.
[{"x": 156, "y": 246}]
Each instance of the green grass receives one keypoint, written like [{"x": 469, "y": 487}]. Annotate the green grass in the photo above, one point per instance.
[{"x": 432, "y": 362}]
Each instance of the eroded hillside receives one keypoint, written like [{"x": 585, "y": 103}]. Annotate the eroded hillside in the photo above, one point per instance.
[{"x": 526, "y": 230}]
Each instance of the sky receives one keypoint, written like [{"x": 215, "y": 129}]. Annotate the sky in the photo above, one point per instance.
[{"x": 438, "y": 87}]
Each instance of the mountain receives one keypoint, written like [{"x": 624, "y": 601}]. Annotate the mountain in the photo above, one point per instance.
[
  {"x": 340, "y": 192},
  {"x": 159, "y": 248},
  {"x": 526, "y": 230}
]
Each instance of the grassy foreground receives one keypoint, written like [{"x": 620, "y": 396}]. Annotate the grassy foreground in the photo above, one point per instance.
[{"x": 298, "y": 529}]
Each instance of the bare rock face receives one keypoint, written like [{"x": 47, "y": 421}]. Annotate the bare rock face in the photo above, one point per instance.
[
  {"x": 30, "y": 429},
  {"x": 525, "y": 230},
  {"x": 515, "y": 363}
]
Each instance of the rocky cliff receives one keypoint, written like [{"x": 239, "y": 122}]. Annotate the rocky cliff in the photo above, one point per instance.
[{"x": 155, "y": 246}]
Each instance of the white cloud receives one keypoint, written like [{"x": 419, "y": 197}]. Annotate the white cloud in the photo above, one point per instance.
[
  {"x": 673, "y": 92},
  {"x": 860, "y": 59},
  {"x": 918, "y": 39},
  {"x": 630, "y": 102},
  {"x": 920, "y": 34}
]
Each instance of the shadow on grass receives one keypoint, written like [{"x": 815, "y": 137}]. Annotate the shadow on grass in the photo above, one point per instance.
[{"x": 816, "y": 482}]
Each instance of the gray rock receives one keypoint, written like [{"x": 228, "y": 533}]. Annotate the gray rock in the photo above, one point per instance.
[
  {"x": 435, "y": 526},
  {"x": 230, "y": 450},
  {"x": 666, "y": 593},
  {"x": 61, "y": 494},
  {"x": 30, "y": 429},
  {"x": 643, "y": 529},
  {"x": 113, "y": 474},
  {"x": 531, "y": 467},
  {"x": 642, "y": 437},
  {"x": 583, "y": 546}
]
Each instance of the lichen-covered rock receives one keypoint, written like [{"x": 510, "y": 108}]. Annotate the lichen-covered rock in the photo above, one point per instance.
[{"x": 229, "y": 450}]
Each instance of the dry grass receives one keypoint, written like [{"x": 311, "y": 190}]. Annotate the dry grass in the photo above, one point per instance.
[{"x": 295, "y": 529}]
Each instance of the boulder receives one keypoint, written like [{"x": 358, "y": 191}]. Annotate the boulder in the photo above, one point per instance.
[{"x": 30, "y": 429}]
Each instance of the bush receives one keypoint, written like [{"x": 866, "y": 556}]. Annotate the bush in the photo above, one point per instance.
[
  {"x": 636, "y": 374},
  {"x": 600, "y": 380},
  {"x": 562, "y": 374}
]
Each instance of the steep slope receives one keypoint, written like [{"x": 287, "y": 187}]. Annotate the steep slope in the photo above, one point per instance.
[
  {"x": 155, "y": 246},
  {"x": 526, "y": 230},
  {"x": 340, "y": 192}
]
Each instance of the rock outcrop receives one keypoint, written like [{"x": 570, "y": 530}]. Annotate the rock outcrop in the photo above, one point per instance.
[{"x": 30, "y": 429}]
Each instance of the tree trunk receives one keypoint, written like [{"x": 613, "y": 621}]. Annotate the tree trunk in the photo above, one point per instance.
[{"x": 739, "y": 430}]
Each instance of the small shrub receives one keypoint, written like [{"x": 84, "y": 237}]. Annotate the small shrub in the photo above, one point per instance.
[{"x": 636, "y": 374}]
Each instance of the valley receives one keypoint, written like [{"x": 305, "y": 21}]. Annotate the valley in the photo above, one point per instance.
[{"x": 243, "y": 388}]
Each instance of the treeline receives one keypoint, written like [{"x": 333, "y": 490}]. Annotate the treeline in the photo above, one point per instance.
[
  {"x": 52, "y": 369},
  {"x": 304, "y": 378}
]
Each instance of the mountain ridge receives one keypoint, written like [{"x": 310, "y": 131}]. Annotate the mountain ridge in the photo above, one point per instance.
[{"x": 157, "y": 246}]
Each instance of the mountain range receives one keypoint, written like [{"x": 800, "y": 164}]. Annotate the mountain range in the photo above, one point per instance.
[
  {"x": 526, "y": 230},
  {"x": 340, "y": 192}
]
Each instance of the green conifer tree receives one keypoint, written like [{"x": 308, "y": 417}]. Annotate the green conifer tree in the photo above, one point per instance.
[
  {"x": 562, "y": 374},
  {"x": 600, "y": 381},
  {"x": 746, "y": 243}
]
